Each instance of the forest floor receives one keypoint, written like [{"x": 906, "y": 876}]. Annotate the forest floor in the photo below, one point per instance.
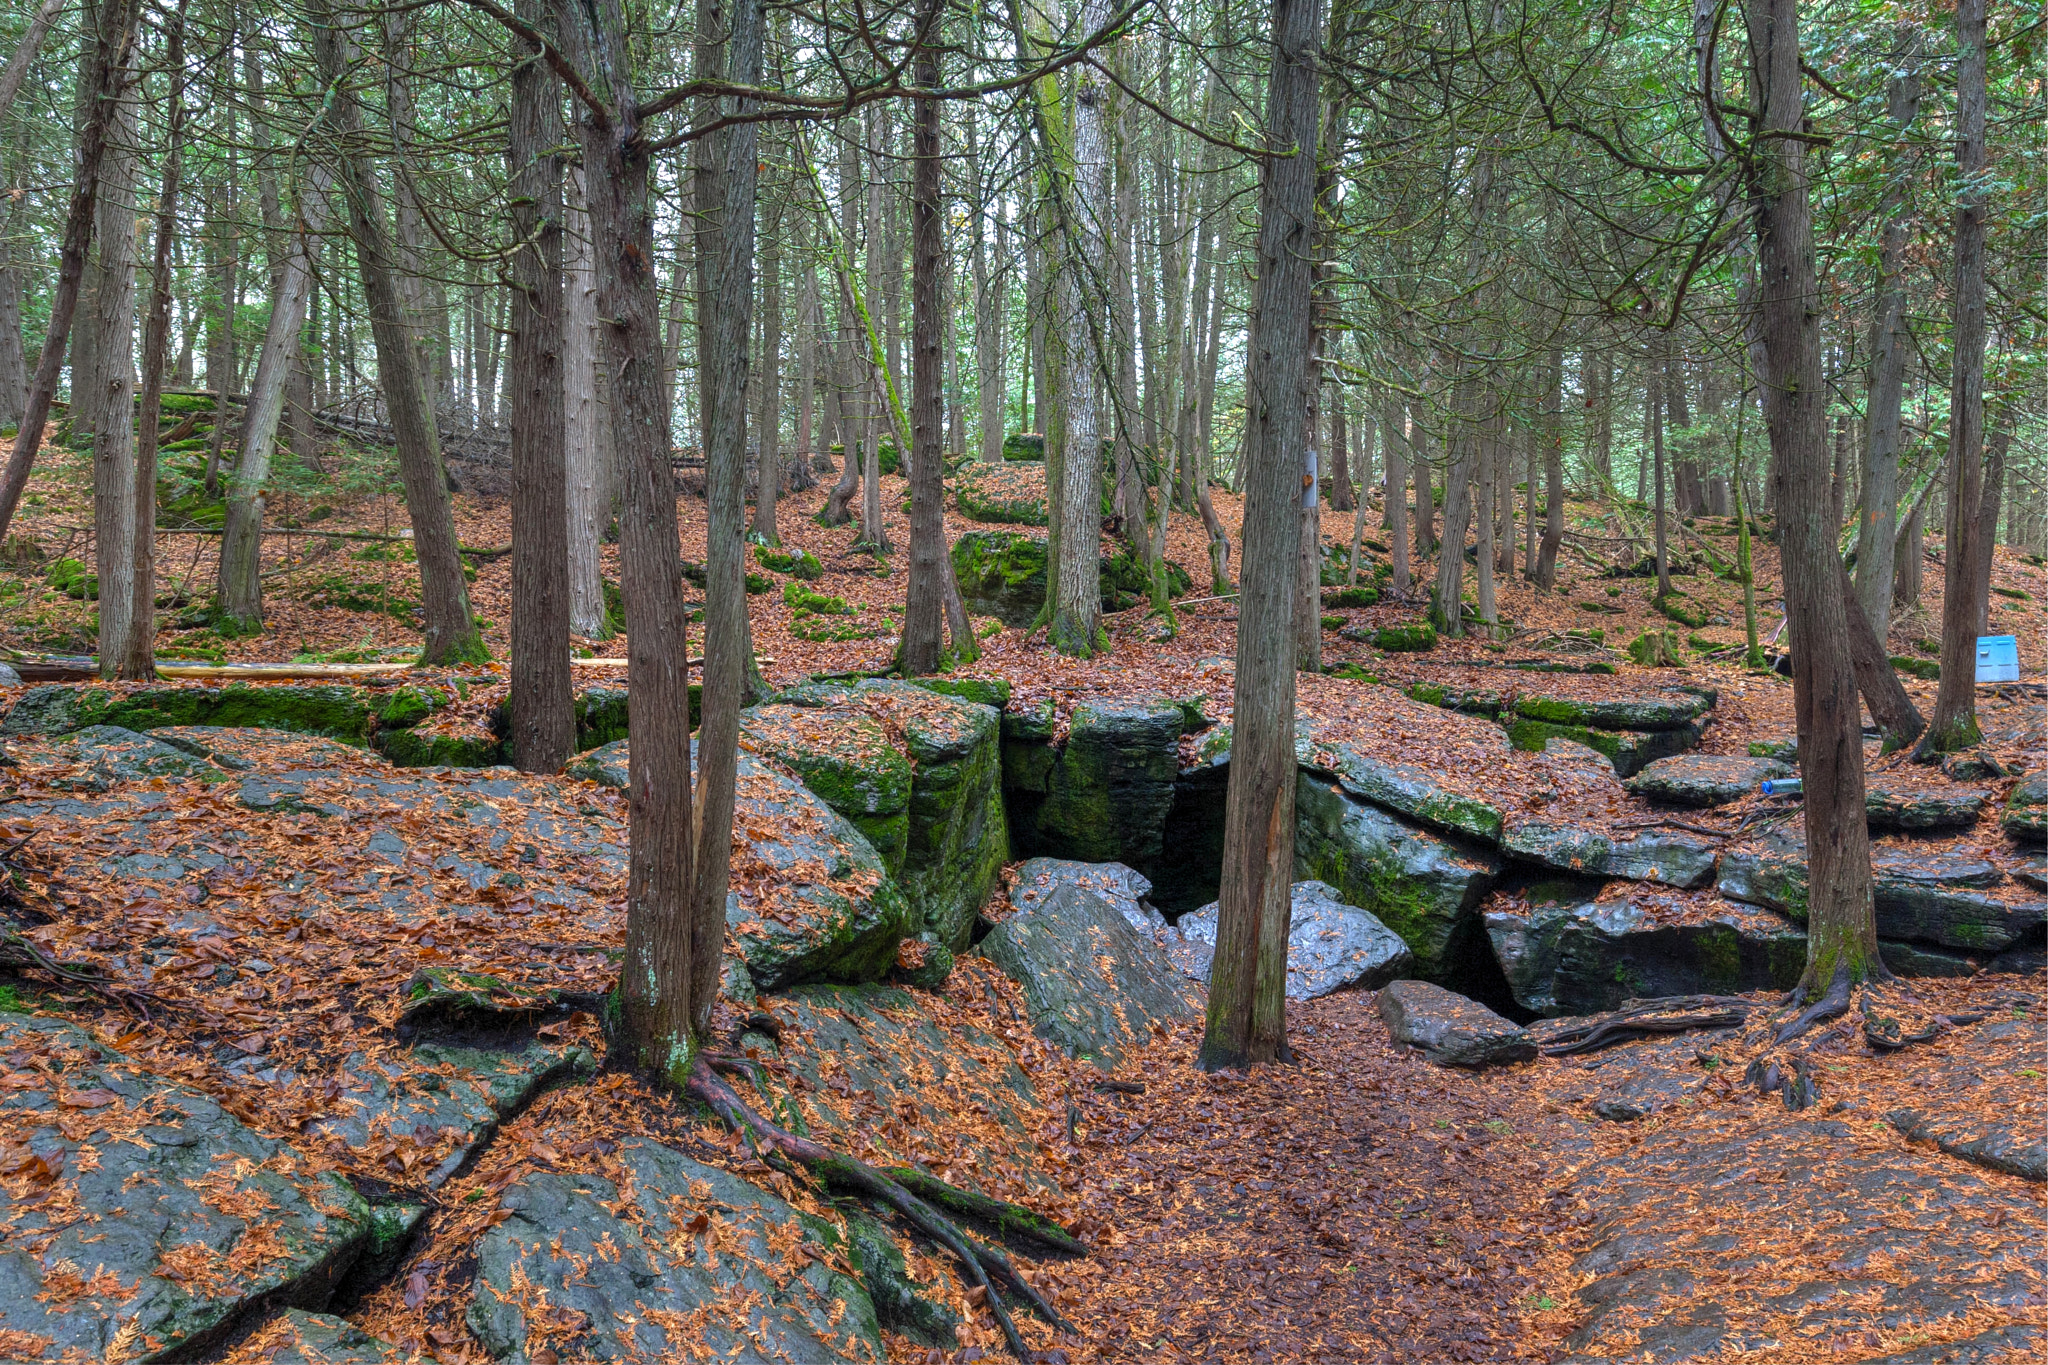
[{"x": 1359, "y": 1204}]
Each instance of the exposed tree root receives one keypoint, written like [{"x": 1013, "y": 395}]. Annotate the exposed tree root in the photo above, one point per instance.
[
  {"x": 1832, "y": 1005},
  {"x": 983, "y": 1265},
  {"x": 1640, "y": 1018},
  {"x": 23, "y": 955}
]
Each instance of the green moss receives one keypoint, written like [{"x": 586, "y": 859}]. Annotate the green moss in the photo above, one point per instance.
[
  {"x": 988, "y": 691},
  {"x": 820, "y": 631},
  {"x": 1405, "y": 639},
  {"x": 1531, "y": 735},
  {"x": 801, "y": 564},
  {"x": 69, "y": 577},
  {"x": 2017, "y": 594},
  {"x": 1720, "y": 957},
  {"x": 1674, "y": 606},
  {"x": 408, "y": 706},
  {"x": 1656, "y": 649},
  {"x": 411, "y": 749},
  {"x": 1024, "y": 445},
  {"x": 1333, "y": 622},
  {"x": 1351, "y": 597},
  {"x": 800, "y": 598},
  {"x": 1918, "y": 668},
  {"x": 347, "y": 594},
  {"x": 982, "y": 493}
]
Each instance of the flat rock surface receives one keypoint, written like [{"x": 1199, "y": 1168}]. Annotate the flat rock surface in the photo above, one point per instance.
[
  {"x": 1896, "y": 800},
  {"x": 669, "y": 1257},
  {"x": 296, "y": 1337},
  {"x": 1673, "y": 857},
  {"x": 141, "y": 1217},
  {"x": 1331, "y": 946},
  {"x": 1981, "y": 1094},
  {"x": 1094, "y": 985},
  {"x": 1698, "y": 780},
  {"x": 1123, "y": 887},
  {"x": 1449, "y": 1028}
]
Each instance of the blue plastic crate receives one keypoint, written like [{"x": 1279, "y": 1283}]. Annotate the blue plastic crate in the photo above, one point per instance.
[{"x": 1998, "y": 658}]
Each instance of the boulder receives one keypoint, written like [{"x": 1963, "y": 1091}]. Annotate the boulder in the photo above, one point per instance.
[
  {"x": 1450, "y": 1029},
  {"x": 145, "y": 1219},
  {"x": 1950, "y": 899},
  {"x": 1124, "y": 888},
  {"x": 1002, "y": 574},
  {"x": 1330, "y": 945},
  {"x": 1410, "y": 789},
  {"x": 1696, "y": 780},
  {"x": 1103, "y": 796},
  {"x": 1424, "y": 886},
  {"x": 675, "y": 1260},
  {"x": 1895, "y": 803},
  {"x": 107, "y": 754},
  {"x": 1672, "y": 857},
  {"x": 1094, "y": 985},
  {"x": 1004, "y": 494},
  {"x": 849, "y": 761},
  {"x": 818, "y": 904},
  {"x": 1635, "y": 1079},
  {"x": 1573, "y": 947},
  {"x": 296, "y": 1337},
  {"x": 1630, "y": 751},
  {"x": 443, "y": 1100},
  {"x": 1669, "y": 709},
  {"x": 956, "y": 834},
  {"x": 601, "y": 716},
  {"x": 337, "y": 711},
  {"x": 954, "y": 1090},
  {"x": 2026, "y": 811}
]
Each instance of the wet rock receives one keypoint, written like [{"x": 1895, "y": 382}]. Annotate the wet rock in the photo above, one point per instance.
[
  {"x": 1672, "y": 709},
  {"x": 601, "y": 716},
  {"x": 848, "y": 1052},
  {"x": 1672, "y": 857},
  {"x": 1424, "y": 886},
  {"x": 1895, "y": 804},
  {"x": 1633, "y": 1080},
  {"x": 1572, "y": 947},
  {"x": 1966, "y": 1102},
  {"x": 296, "y": 1337},
  {"x": 2026, "y": 811},
  {"x": 1891, "y": 1248},
  {"x": 792, "y": 924},
  {"x": 901, "y": 1303},
  {"x": 1093, "y": 984},
  {"x": 956, "y": 834},
  {"x": 1003, "y": 574},
  {"x": 436, "y": 1095},
  {"x": 1404, "y": 788},
  {"x": 108, "y": 754},
  {"x": 1104, "y": 795},
  {"x": 1122, "y": 887},
  {"x": 1630, "y": 751},
  {"x": 848, "y": 760},
  {"x": 679, "y": 1259},
  {"x": 1698, "y": 780},
  {"x": 1955, "y": 901},
  {"x": 1330, "y": 945},
  {"x": 1450, "y": 1029},
  {"x": 316, "y": 709},
  {"x": 150, "y": 1219}
]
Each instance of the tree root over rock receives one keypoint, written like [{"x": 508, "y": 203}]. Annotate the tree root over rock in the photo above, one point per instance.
[{"x": 898, "y": 1190}]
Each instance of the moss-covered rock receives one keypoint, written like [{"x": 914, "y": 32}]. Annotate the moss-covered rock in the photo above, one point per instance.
[
  {"x": 1425, "y": 887},
  {"x": 1024, "y": 445},
  {"x": 1404, "y": 788},
  {"x": 1412, "y": 638},
  {"x": 1630, "y": 751},
  {"x": 601, "y": 716},
  {"x": 1473, "y": 701},
  {"x": 1103, "y": 796},
  {"x": 2026, "y": 810},
  {"x": 849, "y": 760},
  {"x": 1671, "y": 710},
  {"x": 1656, "y": 649},
  {"x": 335, "y": 711},
  {"x": 800, "y": 564},
  {"x": 408, "y": 706},
  {"x": 1001, "y": 493},
  {"x": 465, "y": 747},
  {"x": 986, "y": 691},
  {"x": 1003, "y": 574}
]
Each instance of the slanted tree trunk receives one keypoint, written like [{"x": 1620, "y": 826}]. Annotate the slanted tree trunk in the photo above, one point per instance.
[
  {"x": 1841, "y": 930},
  {"x": 1358, "y": 512},
  {"x": 543, "y": 702},
  {"x": 224, "y": 288},
  {"x": 103, "y": 388},
  {"x": 103, "y": 76},
  {"x": 1907, "y": 553},
  {"x": 1308, "y": 564},
  {"x": 24, "y": 54},
  {"x": 923, "y": 621},
  {"x": 1997, "y": 443},
  {"x": 669, "y": 949},
  {"x": 1898, "y": 720},
  {"x": 1247, "y": 1012},
  {"x": 451, "y": 633},
  {"x": 1889, "y": 343},
  {"x": 239, "y": 586},
  {"x": 138, "y": 656},
  {"x": 1954, "y": 725},
  {"x": 1485, "y": 561},
  {"x": 586, "y": 427},
  {"x": 1341, "y": 498},
  {"x": 810, "y": 326},
  {"x": 1661, "y": 373}
]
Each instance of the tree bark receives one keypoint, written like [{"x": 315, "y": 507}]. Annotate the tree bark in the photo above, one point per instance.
[
  {"x": 923, "y": 638},
  {"x": 1841, "y": 929},
  {"x": 137, "y": 660},
  {"x": 239, "y": 585},
  {"x": 543, "y": 700},
  {"x": 451, "y": 633},
  {"x": 1660, "y": 376},
  {"x": 668, "y": 949},
  {"x": 1076, "y": 606},
  {"x": 1247, "y": 1019},
  {"x": 1395, "y": 440},
  {"x": 103, "y": 388},
  {"x": 1889, "y": 343},
  {"x": 1997, "y": 443},
  {"x": 1341, "y": 497},
  {"x": 1552, "y": 436},
  {"x": 768, "y": 430},
  {"x": 24, "y": 55},
  {"x": 1954, "y": 725},
  {"x": 585, "y": 425},
  {"x": 1898, "y": 720}
]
